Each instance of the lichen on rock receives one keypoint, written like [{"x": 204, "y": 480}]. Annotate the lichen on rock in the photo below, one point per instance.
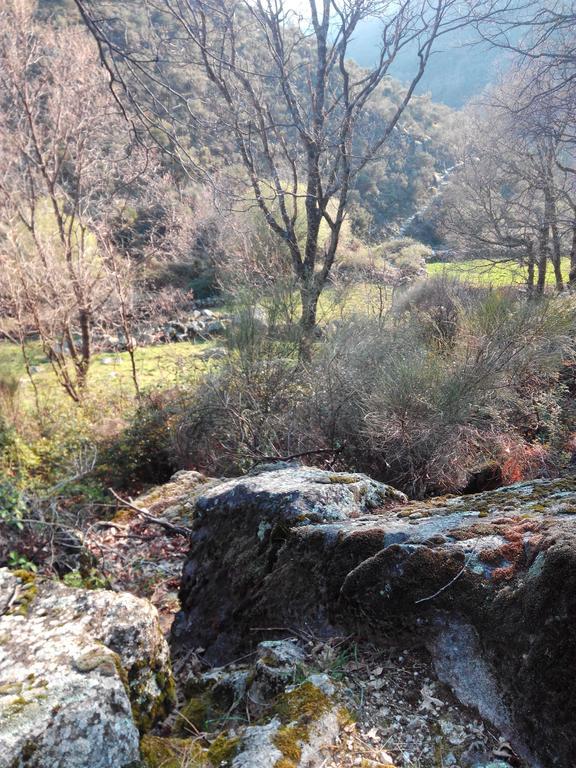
[
  {"x": 324, "y": 553},
  {"x": 78, "y": 670}
]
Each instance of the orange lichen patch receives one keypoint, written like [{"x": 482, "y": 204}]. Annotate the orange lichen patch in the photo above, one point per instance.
[
  {"x": 504, "y": 574},
  {"x": 527, "y": 524},
  {"x": 514, "y": 550},
  {"x": 516, "y": 534},
  {"x": 490, "y": 556}
]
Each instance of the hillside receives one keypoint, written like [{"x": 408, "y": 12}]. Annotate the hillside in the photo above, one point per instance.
[{"x": 461, "y": 67}]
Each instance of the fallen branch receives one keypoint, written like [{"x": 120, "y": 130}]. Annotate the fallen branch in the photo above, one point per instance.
[
  {"x": 316, "y": 452},
  {"x": 177, "y": 530}
]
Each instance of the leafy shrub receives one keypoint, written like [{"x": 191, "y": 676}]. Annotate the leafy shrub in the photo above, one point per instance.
[
  {"x": 142, "y": 453},
  {"x": 436, "y": 306},
  {"x": 12, "y": 503},
  {"x": 395, "y": 262},
  {"x": 19, "y": 562},
  {"x": 404, "y": 252},
  {"x": 241, "y": 413}
]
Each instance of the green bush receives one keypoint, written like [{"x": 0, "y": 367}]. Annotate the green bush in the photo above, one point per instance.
[
  {"x": 142, "y": 453},
  {"x": 240, "y": 412},
  {"x": 12, "y": 503}
]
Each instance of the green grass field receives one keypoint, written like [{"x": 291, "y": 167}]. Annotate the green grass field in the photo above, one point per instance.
[
  {"x": 485, "y": 272},
  {"x": 110, "y": 372}
]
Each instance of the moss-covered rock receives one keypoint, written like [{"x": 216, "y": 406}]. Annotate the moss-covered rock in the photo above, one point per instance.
[
  {"x": 324, "y": 552},
  {"x": 80, "y": 672},
  {"x": 159, "y": 752},
  {"x": 210, "y": 699},
  {"x": 174, "y": 500},
  {"x": 231, "y": 559},
  {"x": 162, "y": 752}
]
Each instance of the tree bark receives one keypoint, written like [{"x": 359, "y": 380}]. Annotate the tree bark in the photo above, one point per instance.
[
  {"x": 552, "y": 219},
  {"x": 309, "y": 295},
  {"x": 531, "y": 275},
  {"x": 542, "y": 257},
  {"x": 572, "y": 276}
]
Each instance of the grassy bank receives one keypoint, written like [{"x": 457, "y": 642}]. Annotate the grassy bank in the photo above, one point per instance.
[{"x": 161, "y": 366}]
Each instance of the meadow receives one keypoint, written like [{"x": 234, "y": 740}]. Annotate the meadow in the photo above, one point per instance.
[
  {"x": 487, "y": 272},
  {"x": 168, "y": 364},
  {"x": 162, "y": 365}
]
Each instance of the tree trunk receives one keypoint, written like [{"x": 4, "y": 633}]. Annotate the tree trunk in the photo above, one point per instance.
[
  {"x": 542, "y": 257},
  {"x": 572, "y": 276},
  {"x": 309, "y": 295},
  {"x": 86, "y": 350},
  {"x": 556, "y": 245},
  {"x": 530, "y": 279}
]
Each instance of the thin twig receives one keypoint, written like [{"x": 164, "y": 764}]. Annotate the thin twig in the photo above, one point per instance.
[
  {"x": 317, "y": 452},
  {"x": 445, "y": 587},
  {"x": 178, "y": 530}
]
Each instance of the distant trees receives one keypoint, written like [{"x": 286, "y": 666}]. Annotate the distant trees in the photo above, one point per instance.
[
  {"x": 63, "y": 162},
  {"x": 515, "y": 195},
  {"x": 405, "y": 175},
  {"x": 280, "y": 87},
  {"x": 540, "y": 33}
]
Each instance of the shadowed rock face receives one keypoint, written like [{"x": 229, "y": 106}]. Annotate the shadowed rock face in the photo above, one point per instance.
[
  {"x": 298, "y": 547},
  {"x": 241, "y": 528}
]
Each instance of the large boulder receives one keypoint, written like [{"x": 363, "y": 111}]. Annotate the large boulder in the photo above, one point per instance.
[
  {"x": 82, "y": 673},
  {"x": 487, "y": 582},
  {"x": 240, "y": 529}
]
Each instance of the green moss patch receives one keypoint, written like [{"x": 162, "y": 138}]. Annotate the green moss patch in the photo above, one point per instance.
[
  {"x": 222, "y": 749},
  {"x": 344, "y": 479},
  {"x": 289, "y": 740},
  {"x": 26, "y": 592},
  {"x": 306, "y": 702},
  {"x": 298, "y": 710},
  {"x": 103, "y": 661},
  {"x": 148, "y": 709},
  {"x": 158, "y": 752},
  {"x": 193, "y": 715}
]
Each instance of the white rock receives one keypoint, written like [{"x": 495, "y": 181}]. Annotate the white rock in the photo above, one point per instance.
[{"x": 76, "y": 667}]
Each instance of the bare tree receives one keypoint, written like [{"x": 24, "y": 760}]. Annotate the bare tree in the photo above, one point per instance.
[
  {"x": 62, "y": 160},
  {"x": 541, "y": 36},
  {"x": 279, "y": 86},
  {"x": 510, "y": 197},
  {"x": 488, "y": 211}
]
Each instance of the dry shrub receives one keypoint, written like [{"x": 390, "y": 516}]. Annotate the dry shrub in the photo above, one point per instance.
[{"x": 420, "y": 409}]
